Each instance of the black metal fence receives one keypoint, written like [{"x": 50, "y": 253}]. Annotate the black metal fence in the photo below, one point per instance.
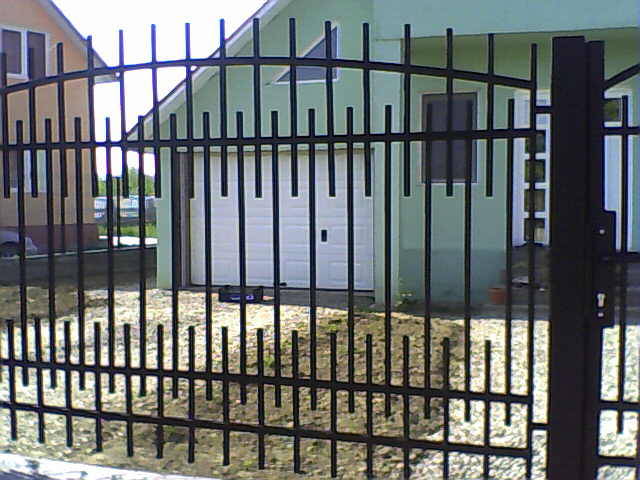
[{"x": 451, "y": 394}]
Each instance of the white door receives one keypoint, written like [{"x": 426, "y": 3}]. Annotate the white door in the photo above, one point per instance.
[
  {"x": 331, "y": 224},
  {"x": 541, "y": 155}
]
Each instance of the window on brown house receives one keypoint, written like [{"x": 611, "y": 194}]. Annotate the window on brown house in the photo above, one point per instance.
[
  {"x": 12, "y": 46},
  {"x": 26, "y": 52},
  {"x": 37, "y": 54}
]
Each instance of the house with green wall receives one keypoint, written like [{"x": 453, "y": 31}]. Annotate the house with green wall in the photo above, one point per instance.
[{"x": 400, "y": 257}]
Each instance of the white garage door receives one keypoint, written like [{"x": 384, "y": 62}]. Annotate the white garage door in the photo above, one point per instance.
[{"x": 331, "y": 225}]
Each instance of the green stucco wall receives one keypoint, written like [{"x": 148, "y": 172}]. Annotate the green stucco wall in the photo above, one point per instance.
[
  {"x": 488, "y": 231},
  {"x": 407, "y": 214},
  {"x": 310, "y": 16},
  {"x": 430, "y": 18}
]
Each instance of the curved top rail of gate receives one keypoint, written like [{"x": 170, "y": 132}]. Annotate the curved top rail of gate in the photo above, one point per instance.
[{"x": 220, "y": 58}]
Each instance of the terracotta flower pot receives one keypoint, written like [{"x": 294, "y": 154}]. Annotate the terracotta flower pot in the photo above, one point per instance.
[{"x": 497, "y": 295}]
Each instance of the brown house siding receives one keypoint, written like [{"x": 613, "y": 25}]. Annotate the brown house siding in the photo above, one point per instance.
[{"x": 29, "y": 14}]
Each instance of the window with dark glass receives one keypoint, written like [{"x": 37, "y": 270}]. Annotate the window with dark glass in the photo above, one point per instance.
[
  {"x": 12, "y": 46},
  {"x": 463, "y": 105},
  {"x": 310, "y": 74},
  {"x": 36, "y": 54},
  {"x": 613, "y": 110},
  {"x": 26, "y": 52}
]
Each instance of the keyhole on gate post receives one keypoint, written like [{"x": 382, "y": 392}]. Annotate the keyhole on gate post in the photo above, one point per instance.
[
  {"x": 601, "y": 299},
  {"x": 323, "y": 235}
]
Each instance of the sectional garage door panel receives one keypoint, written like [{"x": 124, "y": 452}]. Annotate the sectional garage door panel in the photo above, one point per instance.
[{"x": 331, "y": 225}]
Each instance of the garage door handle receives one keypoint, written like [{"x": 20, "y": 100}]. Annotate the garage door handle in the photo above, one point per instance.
[{"x": 323, "y": 235}]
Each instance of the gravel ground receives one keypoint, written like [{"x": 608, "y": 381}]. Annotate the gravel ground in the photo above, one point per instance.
[{"x": 315, "y": 454}]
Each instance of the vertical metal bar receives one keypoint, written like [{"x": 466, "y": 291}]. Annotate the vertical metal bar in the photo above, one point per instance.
[
  {"x": 208, "y": 259},
  {"x": 569, "y": 242},
  {"x": 624, "y": 248},
  {"x": 490, "y": 112},
  {"x": 242, "y": 253},
  {"x": 293, "y": 105},
  {"x": 39, "y": 386},
  {"x": 509, "y": 258},
  {"x": 51, "y": 259},
  {"x": 446, "y": 388},
  {"x": 366, "y": 105},
  {"x": 6, "y": 178},
  {"x": 487, "y": 408},
  {"x": 407, "y": 110},
  {"x": 24, "y": 338},
  {"x": 531, "y": 247},
  {"x": 295, "y": 372},
  {"x": 62, "y": 136},
  {"x": 111, "y": 328},
  {"x": 119, "y": 210},
  {"x": 350, "y": 261},
  {"x": 61, "y": 107},
  {"x": 91, "y": 81},
  {"x": 142, "y": 261},
  {"x": 68, "y": 384},
  {"x": 191, "y": 406},
  {"x": 13, "y": 420},
  {"x": 33, "y": 126},
  {"x": 468, "y": 172},
  {"x": 260, "y": 344},
  {"x": 224, "y": 170},
  {"x": 602, "y": 233},
  {"x": 369, "y": 421},
  {"x": 257, "y": 108},
  {"x": 388, "y": 118},
  {"x": 123, "y": 115},
  {"x": 97, "y": 392},
  {"x": 406, "y": 425},
  {"x": 176, "y": 249},
  {"x": 189, "y": 108},
  {"x": 156, "y": 113},
  {"x": 312, "y": 259},
  {"x": 225, "y": 397},
  {"x": 160, "y": 391},
  {"x": 79, "y": 188},
  {"x": 428, "y": 212},
  {"x": 127, "y": 388},
  {"x": 334, "y": 404},
  {"x": 275, "y": 187},
  {"x": 449, "y": 159},
  {"x": 329, "y": 54}
]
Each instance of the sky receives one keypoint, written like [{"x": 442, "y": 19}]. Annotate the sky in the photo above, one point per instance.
[{"x": 103, "y": 19}]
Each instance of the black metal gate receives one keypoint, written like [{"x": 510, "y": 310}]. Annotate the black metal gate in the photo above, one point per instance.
[
  {"x": 443, "y": 391},
  {"x": 594, "y": 315}
]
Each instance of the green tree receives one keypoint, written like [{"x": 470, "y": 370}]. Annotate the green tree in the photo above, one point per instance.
[{"x": 133, "y": 174}]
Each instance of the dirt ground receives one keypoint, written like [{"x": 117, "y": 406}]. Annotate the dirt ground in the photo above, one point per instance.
[{"x": 245, "y": 447}]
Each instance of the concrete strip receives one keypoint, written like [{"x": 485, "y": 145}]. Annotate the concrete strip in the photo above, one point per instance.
[{"x": 24, "y": 467}]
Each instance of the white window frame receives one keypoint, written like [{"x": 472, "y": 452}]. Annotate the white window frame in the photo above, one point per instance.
[
  {"x": 24, "y": 74},
  {"x": 520, "y": 210},
  {"x": 618, "y": 93},
  {"x": 42, "y": 172},
  {"x": 520, "y": 213},
  {"x": 313, "y": 44}
]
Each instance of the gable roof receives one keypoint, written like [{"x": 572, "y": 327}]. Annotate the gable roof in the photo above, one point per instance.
[
  {"x": 81, "y": 42},
  {"x": 235, "y": 42}
]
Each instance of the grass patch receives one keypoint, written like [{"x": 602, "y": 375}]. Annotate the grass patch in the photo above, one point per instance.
[{"x": 151, "y": 230}]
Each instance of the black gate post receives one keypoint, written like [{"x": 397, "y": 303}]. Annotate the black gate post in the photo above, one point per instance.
[{"x": 570, "y": 259}]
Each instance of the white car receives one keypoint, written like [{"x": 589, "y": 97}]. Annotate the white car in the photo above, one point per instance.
[{"x": 10, "y": 244}]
